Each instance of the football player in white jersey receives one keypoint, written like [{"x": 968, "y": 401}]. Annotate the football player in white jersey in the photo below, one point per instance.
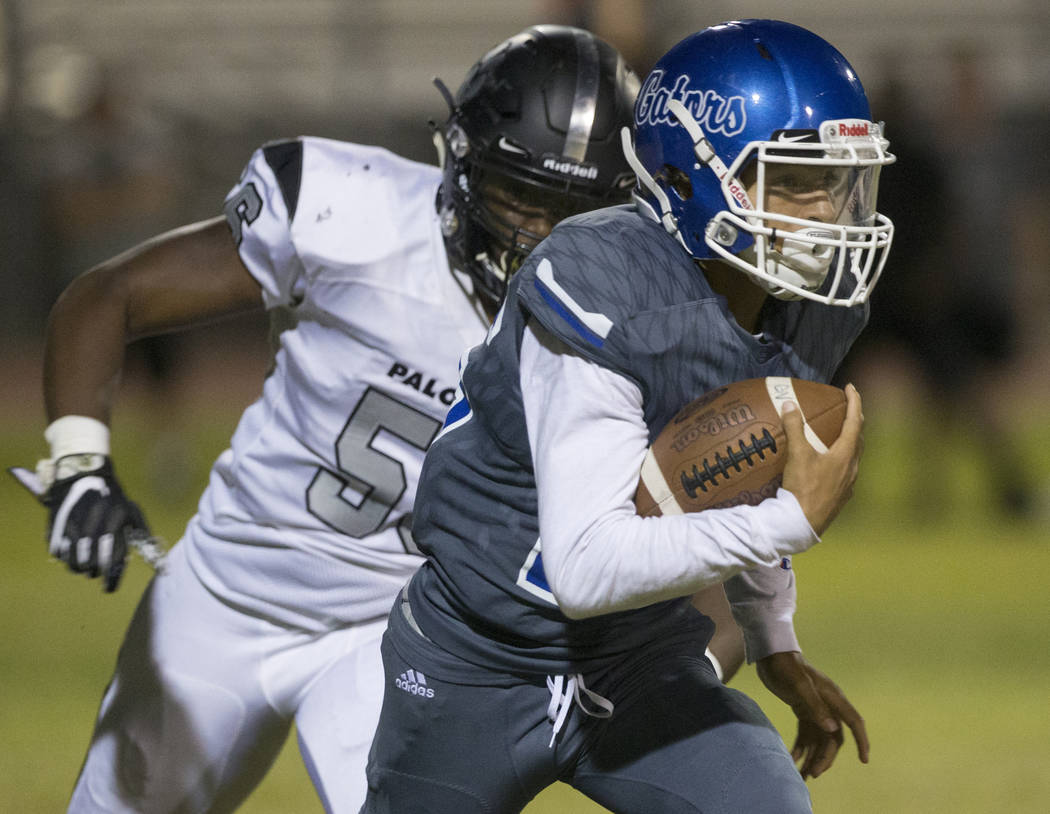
[{"x": 381, "y": 272}]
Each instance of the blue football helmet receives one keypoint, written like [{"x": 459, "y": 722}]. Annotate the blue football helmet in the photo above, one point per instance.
[{"x": 736, "y": 105}]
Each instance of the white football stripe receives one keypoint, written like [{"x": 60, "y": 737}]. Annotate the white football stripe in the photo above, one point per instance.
[
  {"x": 781, "y": 389},
  {"x": 655, "y": 482}
]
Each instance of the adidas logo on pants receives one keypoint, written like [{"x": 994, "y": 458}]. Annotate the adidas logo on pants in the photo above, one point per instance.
[{"x": 414, "y": 682}]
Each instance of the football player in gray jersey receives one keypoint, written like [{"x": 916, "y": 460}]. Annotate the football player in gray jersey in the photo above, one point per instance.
[
  {"x": 270, "y": 608},
  {"x": 549, "y": 635}
]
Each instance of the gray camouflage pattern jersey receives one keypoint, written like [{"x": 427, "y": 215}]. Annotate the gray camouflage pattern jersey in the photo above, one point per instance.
[{"x": 623, "y": 293}]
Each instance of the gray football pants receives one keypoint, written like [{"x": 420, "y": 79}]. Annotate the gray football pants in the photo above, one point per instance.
[{"x": 456, "y": 739}]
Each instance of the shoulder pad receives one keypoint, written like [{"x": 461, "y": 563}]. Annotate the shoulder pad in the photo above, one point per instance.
[{"x": 595, "y": 272}]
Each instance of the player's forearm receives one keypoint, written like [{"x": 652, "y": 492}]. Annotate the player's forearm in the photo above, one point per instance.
[
  {"x": 186, "y": 277},
  {"x": 626, "y": 562},
  {"x": 588, "y": 438},
  {"x": 763, "y": 605},
  {"x": 84, "y": 351}
]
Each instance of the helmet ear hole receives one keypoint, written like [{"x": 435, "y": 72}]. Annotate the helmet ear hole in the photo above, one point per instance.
[{"x": 676, "y": 180}]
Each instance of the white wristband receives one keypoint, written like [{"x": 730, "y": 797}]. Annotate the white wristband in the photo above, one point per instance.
[{"x": 77, "y": 435}]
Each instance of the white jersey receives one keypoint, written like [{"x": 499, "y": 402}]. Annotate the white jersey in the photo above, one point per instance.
[{"x": 306, "y": 517}]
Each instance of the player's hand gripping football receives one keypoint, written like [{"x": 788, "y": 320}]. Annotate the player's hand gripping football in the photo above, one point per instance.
[
  {"x": 822, "y": 482},
  {"x": 91, "y": 523},
  {"x": 821, "y": 708}
]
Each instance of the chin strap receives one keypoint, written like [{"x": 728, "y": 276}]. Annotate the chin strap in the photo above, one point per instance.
[
  {"x": 645, "y": 179},
  {"x": 706, "y": 154}
]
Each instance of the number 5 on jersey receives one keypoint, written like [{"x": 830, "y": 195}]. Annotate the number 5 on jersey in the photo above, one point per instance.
[{"x": 377, "y": 477}]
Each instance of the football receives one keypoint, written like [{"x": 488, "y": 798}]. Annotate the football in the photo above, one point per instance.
[{"x": 727, "y": 447}]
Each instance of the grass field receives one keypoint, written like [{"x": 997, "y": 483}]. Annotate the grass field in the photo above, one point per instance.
[{"x": 937, "y": 627}]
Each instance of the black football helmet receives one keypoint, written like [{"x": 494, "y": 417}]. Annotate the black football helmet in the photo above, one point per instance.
[{"x": 538, "y": 117}]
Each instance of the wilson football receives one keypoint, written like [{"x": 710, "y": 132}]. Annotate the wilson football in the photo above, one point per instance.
[{"x": 727, "y": 447}]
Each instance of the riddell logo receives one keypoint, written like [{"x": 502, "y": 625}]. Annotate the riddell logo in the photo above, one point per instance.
[
  {"x": 860, "y": 129},
  {"x": 570, "y": 168},
  {"x": 414, "y": 682}
]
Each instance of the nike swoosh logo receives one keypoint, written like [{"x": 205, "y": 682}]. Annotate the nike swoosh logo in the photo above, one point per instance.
[
  {"x": 510, "y": 148},
  {"x": 784, "y": 137}
]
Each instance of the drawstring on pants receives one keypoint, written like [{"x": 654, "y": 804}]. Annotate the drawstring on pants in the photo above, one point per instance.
[{"x": 564, "y": 691}]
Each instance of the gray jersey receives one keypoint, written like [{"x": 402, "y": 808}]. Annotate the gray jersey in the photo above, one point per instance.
[{"x": 622, "y": 293}]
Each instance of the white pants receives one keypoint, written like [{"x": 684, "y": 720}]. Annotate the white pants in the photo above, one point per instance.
[{"x": 204, "y": 696}]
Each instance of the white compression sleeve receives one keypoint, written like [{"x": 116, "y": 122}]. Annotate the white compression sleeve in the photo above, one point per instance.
[{"x": 588, "y": 439}]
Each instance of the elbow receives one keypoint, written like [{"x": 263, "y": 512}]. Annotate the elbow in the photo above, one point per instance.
[
  {"x": 575, "y": 609},
  {"x": 586, "y": 575},
  {"x": 573, "y": 593},
  {"x": 97, "y": 291}
]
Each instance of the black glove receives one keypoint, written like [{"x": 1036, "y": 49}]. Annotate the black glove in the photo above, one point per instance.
[{"x": 91, "y": 522}]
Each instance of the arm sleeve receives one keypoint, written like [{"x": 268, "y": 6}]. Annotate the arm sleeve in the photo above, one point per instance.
[
  {"x": 763, "y": 604},
  {"x": 587, "y": 437}
]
